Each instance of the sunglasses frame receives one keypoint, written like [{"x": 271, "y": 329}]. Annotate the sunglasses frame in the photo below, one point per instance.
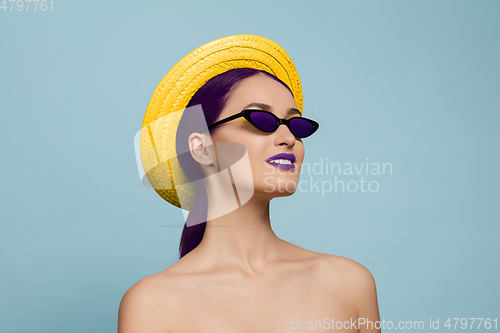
[{"x": 279, "y": 121}]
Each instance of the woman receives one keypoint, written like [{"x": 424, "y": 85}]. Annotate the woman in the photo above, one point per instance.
[{"x": 235, "y": 274}]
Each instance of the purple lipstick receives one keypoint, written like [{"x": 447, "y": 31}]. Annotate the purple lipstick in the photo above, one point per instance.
[{"x": 282, "y": 161}]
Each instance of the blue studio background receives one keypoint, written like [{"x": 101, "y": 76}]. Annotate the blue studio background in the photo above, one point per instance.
[{"x": 412, "y": 84}]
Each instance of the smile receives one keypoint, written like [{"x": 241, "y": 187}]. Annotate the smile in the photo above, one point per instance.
[{"x": 282, "y": 161}]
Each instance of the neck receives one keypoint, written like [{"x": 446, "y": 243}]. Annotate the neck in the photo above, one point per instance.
[{"x": 242, "y": 238}]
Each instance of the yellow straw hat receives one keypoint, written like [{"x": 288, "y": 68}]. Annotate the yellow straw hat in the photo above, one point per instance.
[{"x": 173, "y": 93}]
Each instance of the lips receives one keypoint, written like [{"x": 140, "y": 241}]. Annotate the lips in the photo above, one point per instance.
[{"x": 282, "y": 161}]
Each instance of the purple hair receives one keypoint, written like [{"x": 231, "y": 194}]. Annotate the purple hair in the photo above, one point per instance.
[{"x": 212, "y": 97}]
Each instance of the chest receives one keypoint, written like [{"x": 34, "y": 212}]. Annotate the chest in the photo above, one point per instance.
[{"x": 280, "y": 305}]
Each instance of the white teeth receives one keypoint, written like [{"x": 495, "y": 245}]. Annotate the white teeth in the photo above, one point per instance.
[{"x": 280, "y": 161}]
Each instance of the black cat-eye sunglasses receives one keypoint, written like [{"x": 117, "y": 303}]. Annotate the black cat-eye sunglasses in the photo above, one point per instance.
[{"x": 268, "y": 122}]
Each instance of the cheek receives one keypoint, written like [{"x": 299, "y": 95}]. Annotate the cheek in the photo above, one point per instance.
[
  {"x": 299, "y": 153},
  {"x": 253, "y": 145}
]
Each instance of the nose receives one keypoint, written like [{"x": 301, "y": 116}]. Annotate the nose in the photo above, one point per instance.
[{"x": 283, "y": 136}]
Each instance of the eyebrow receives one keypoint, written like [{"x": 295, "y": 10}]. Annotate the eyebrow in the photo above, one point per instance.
[{"x": 266, "y": 107}]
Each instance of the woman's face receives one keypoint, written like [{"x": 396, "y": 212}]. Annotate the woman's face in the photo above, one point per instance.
[{"x": 261, "y": 92}]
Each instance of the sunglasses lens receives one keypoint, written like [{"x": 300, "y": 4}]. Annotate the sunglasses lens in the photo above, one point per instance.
[
  {"x": 264, "y": 121},
  {"x": 301, "y": 127}
]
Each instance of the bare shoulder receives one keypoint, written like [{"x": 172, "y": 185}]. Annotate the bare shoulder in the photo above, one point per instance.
[
  {"x": 336, "y": 266},
  {"x": 348, "y": 268},
  {"x": 355, "y": 281},
  {"x": 343, "y": 273},
  {"x": 349, "y": 272},
  {"x": 148, "y": 306}
]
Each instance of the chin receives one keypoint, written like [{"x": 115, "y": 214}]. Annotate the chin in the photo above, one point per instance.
[
  {"x": 280, "y": 187},
  {"x": 283, "y": 194}
]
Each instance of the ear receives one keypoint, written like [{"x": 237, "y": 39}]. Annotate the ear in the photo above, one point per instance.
[{"x": 202, "y": 149}]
